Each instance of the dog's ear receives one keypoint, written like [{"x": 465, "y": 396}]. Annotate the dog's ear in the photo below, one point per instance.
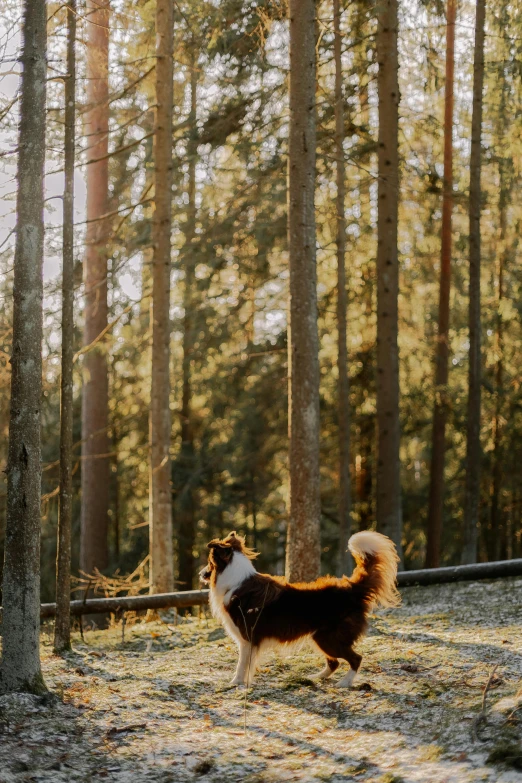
[{"x": 225, "y": 550}]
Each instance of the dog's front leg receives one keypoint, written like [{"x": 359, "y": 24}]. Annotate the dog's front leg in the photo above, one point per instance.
[{"x": 242, "y": 665}]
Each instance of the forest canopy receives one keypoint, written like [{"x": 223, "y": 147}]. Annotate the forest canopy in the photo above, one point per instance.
[{"x": 227, "y": 314}]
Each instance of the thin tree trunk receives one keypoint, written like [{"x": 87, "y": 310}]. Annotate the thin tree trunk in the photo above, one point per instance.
[
  {"x": 500, "y": 519},
  {"x": 116, "y": 469},
  {"x": 20, "y": 664},
  {"x": 343, "y": 392},
  {"x": 473, "y": 450},
  {"x": 187, "y": 509},
  {"x": 303, "y": 554},
  {"x": 367, "y": 428},
  {"x": 254, "y": 509},
  {"x": 62, "y": 626},
  {"x": 389, "y": 512},
  {"x": 162, "y": 567},
  {"x": 496, "y": 477},
  {"x": 95, "y": 398},
  {"x": 440, "y": 411},
  {"x": 499, "y": 535}
]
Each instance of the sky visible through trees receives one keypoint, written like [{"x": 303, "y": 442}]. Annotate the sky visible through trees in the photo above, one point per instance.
[{"x": 229, "y": 408}]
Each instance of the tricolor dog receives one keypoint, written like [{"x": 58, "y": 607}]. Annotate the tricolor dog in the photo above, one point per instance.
[{"x": 260, "y": 611}]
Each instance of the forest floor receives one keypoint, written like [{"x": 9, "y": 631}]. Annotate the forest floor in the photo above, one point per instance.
[{"x": 157, "y": 707}]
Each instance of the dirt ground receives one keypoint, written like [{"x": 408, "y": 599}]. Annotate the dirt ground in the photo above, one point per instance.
[{"x": 157, "y": 706}]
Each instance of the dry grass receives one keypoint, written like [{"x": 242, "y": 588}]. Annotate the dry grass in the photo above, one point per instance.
[{"x": 158, "y": 707}]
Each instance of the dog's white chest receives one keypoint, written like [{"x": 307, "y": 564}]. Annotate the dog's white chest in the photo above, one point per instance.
[{"x": 239, "y": 569}]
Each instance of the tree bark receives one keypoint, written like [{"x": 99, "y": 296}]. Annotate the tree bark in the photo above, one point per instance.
[
  {"x": 499, "y": 531},
  {"x": 496, "y": 457},
  {"x": 473, "y": 450},
  {"x": 187, "y": 503},
  {"x": 364, "y": 466},
  {"x": 95, "y": 398},
  {"x": 162, "y": 567},
  {"x": 62, "y": 627},
  {"x": 440, "y": 411},
  {"x": 343, "y": 391},
  {"x": 20, "y": 664},
  {"x": 389, "y": 512},
  {"x": 303, "y": 554}
]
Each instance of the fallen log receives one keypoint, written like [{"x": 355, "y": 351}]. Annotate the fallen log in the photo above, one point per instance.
[
  {"x": 135, "y": 603},
  {"x": 430, "y": 576},
  {"x": 463, "y": 573}
]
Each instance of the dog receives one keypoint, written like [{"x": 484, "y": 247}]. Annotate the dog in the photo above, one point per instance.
[{"x": 260, "y": 611}]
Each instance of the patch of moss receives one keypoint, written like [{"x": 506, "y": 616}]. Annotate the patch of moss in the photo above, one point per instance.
[
  {"x": 292, "y": 683},
  {"x": 506, "y": 752},
  {"x": 431, "y": 753},
  {"x": 204, "y": 766},
  {"x": 390, "y": 777}
]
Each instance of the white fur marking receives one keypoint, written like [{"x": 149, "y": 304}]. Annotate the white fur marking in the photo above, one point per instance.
[
  {"x": 367, "y": 542},
  {"x": 323, "y": 674},
  {"x": 239, "y": 569},
  {"x": 347, "y": 680}
]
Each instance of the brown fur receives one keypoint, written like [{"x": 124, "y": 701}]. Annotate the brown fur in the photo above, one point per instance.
[{"x": 332, "y": 611}]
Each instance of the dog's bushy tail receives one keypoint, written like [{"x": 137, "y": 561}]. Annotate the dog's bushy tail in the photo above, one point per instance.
[{"x": 376, "y": 570}]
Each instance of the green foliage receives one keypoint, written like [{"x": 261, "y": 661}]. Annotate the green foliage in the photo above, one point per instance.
[{"x": 235, "y": 471}]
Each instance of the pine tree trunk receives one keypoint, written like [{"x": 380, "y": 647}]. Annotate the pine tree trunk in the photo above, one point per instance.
[
  {"x": 440, "y": 411},
  {"x": 95, "y": 399},
  {"x": 20, "y": 665},
  {"x": 473, "y": 450},
  {"x": 116, "y": 475},
  {"x": 162, "y": 567},
  {"x": 62, "y": 626},
  {"x": 367, "y": 429},
  {"x": 303, "y": 553},
  {"x": 389, "y": 513},
  {"x": 187, "y": 503},
  {"x": 343, "y": 399},
  {"x": 498, "y": 533}
]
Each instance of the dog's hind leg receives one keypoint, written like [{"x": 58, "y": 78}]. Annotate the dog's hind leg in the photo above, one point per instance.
[
  {"x": 336, "y": 644},
  {"x": 354, "y": 659},
  {"x": 331, "y": 665}
]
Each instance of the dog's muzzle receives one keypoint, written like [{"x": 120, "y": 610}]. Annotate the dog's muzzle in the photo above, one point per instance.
[{"x": 204, "y": 575}]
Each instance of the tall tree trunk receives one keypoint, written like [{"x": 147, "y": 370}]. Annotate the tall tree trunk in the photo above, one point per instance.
[
  {"x": 496, "y": 472},
  {"x": 367, "y": 429},
  {"x": 116, "y": 472},
  {"x": 62, "y": 626},
  {"x": 440, "y": 411},
  {"x": 473, "y": 450},
  {"x": 162, "y": 567},
  {"x": 303, "y": 554},
  {"x": 499, "y": 534},
  {"x": 20, "y": 665},
  {"x": 389, "y": 512},
  {"x": 95, "y": 399},
  {"x": 343, "y": 391},
  {"x": 187, "y": 504}
]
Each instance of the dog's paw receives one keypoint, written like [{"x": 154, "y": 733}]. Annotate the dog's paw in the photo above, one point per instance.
[
  {"x": 321, "y": 676},
  {"x": 238, "y": 682},
  {"x": 346, "y": 681}
]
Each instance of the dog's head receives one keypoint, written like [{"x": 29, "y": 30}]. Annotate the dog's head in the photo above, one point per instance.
[{"x": 220, "y": 553}]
